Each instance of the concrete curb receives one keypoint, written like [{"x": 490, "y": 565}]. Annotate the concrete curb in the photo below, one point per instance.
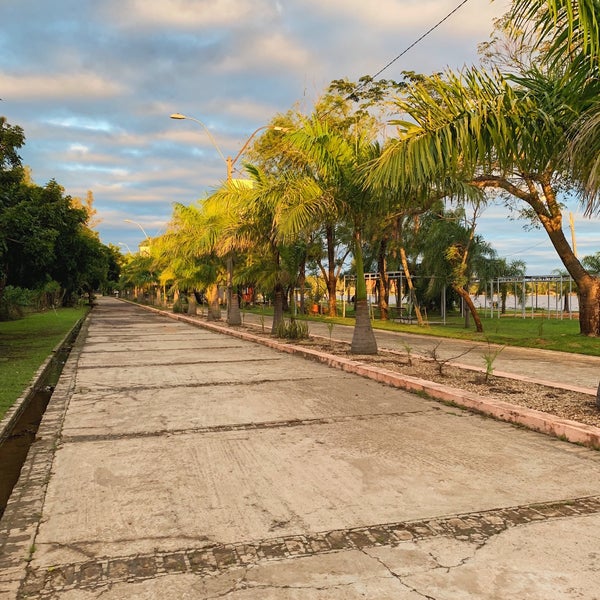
[{"x": 572, "y": 431}]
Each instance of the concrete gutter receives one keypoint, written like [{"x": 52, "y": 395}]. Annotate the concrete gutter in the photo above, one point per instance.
[{"x": 572, "y": 431}]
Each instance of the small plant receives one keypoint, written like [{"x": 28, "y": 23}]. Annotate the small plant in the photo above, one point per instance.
[
  {"x": 541, "y": 327},
  {"x": 489, "y": 358},
  {"x": 442, "y": 362},
  {"x": 292, "y": 330},
  {"x": 330, "y": 325},
  {"x": 32, "y": 550},
  {"x": 408, "y": 349}
]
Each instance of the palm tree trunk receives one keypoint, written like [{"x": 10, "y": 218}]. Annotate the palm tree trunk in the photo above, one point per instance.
[
  {"x": 363, "y": 338},
  {"x": 411, "y": 287},
  {"x": 277, "y": 308},
  {"x": 589, "y": 306},
  {"x": 233, "y": 304},
  {"x": 214, "y": 310},
  {"x": 464, "y": 294},
  {"x": 331, "y": 277},
  {"x": 383, "y": 281},
  {"x": 588, "y": 285},
  {"x": 191, "y": 303},
  {"x": 302, "y": 283}
]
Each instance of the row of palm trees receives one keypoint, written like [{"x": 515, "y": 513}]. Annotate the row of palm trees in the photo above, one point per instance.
[{"x": 523, "y": 130}]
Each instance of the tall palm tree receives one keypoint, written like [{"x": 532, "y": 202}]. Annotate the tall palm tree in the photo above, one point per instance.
[
  {"x": 186, "y": 253},
  {"x": 494, "y": 134},
  {"x": 335, "y": 157},
  {"x": 252, "y": 218},
  {"x": 571, "y": 31}
]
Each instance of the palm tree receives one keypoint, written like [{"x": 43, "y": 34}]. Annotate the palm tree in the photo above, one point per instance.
[
  {"x": 592, "y": 263},
  {"x": 187, "y": 256},
  {"x": 493, "y": 134},
  {"x": 335, "y": 158},
  {"x": 251, "y": 219},
  {"x": 571, "y": 31}
]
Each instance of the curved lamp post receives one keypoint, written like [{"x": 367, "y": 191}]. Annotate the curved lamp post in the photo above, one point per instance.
[
  {"x": 233, "y": 307},
  {"x": 136, "y": 223}
]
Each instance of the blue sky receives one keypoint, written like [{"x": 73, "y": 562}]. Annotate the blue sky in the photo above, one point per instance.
[{"x": 93, "y": 83}]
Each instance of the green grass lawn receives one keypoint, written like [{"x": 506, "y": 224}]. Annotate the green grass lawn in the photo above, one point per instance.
[{"x": 24, "y": 346}]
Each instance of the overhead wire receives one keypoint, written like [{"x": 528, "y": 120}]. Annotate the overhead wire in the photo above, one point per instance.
[{"x": 418, "y": 40}]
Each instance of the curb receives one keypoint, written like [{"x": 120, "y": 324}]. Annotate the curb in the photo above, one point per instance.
[{"x": 565, "y": 429}]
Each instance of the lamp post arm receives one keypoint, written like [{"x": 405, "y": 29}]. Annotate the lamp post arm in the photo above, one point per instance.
[
  {"x": 237, "y": 156},
  {"x": 136, "y": 223},
  {"x": 210, "y": 135}
]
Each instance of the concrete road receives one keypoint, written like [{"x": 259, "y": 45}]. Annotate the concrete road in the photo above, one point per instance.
[{"x": 177, "y": 463}]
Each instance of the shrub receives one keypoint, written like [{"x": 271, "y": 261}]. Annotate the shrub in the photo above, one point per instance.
[
  {"x": 181, "y": 306},
  {"x": 292, "y": 330},
  {"x": 14, "y": 301}
]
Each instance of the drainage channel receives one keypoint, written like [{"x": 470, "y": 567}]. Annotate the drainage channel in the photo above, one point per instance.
[{"x": 15, "y": 446}]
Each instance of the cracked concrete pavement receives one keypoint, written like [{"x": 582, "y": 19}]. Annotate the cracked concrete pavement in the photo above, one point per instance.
[{"x": 177, "y": 462}]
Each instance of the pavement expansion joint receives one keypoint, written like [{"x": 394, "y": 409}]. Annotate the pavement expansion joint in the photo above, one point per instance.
[
  {"x": 241, "y": 426},
  {"x": 45, "y": 582},
  {"x": 154, "y": 349},
  {"x": 189, "y": 384},
  {"x": 181, "y": 363}
]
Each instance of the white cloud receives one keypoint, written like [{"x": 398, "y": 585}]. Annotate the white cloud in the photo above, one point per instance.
[
  {"x": 273, "y": 50},
  {"x": 76, "y": 122},
  {"x": 188, "y": 14},
  {"x": 403, "y": 15},
  {"x": 36, "y": 87}
]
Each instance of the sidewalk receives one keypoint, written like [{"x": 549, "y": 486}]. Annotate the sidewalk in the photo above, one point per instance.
[{"x": 175, "y": 462}]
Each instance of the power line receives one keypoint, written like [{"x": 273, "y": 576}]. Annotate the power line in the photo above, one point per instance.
[{"x": 422, "y": 37}]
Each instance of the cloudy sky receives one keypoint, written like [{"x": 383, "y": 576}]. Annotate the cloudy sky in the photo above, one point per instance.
[{"x": 93, "y": 82}]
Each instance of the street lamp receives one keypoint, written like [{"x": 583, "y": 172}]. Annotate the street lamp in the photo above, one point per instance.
[
  {"x": 233, "y": 307},
  {"x": 230, "y": 162},
  {"x": 126, "y": 246},
  {"x": 136, "y": 223},
  {"x": 144, "y": 249}
]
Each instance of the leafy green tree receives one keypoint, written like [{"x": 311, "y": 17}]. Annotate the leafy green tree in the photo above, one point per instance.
[
  {"x": 452, "y": 254},
  {"x": 592, "y": 263},
  {"x": 12, "y": 139},
  {"x": 44, "y": 234}
]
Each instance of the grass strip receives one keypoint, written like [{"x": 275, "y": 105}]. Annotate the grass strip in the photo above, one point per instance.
[{"x": 24, "y": 346}]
